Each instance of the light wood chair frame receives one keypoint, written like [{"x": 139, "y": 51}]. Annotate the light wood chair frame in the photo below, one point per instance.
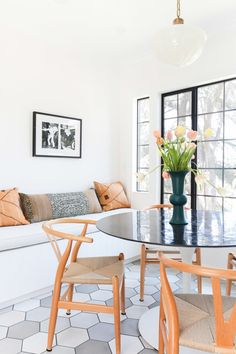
[
  {"x": 145, "y": 251},
  {"x": 65, "y": 301},
  {"x": 231, "y": 264},
  {"x": 225, "y": 329}
]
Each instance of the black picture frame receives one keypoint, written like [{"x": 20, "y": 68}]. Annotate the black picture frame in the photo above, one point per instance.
[{"x": 56, "y": 136}]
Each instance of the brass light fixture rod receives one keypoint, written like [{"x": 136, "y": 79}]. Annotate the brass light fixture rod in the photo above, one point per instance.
[{"x": 178, "y": 20}]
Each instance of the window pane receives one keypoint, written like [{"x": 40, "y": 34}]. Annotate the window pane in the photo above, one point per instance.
[
  {"x": 184, "y": 103},
  {"x": 229, "y": 177},
  {"x": 209, "y": 203},
  {"x": 214, "y": 121},
  {"x": 210, "y": 154},
  {"x": 230, "y": 125},
  {"x": 230, "y": 94},
  {"x": 230, "y": 154},
  {"x": 167, "y": 186},
  {"x": 144, "y": 185},
  {"x": 215, "y": 177},
  {"x": 170, "y": 104},
  {"x": 143, "y": 110},
  {"x": 186, "y": 121},
  {"x": 170, "y": 124},
  {"x": 229, "y": 204},
  {"x": 143, "y": 133},
  {"x": 143, "y": 156},
  {"x": 187, "y": 184},
  {"x": 210, "y": 98},
  {"x": 166, "y": 199}
]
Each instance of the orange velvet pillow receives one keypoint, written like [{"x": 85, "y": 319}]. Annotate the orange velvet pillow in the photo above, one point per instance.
[
  {"x": 111, "y": 196},
  {"x": 10, "y": 210}
]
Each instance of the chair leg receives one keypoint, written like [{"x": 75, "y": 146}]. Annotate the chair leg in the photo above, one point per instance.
[
  {"x": 142, "y": 271},
  {"x": 198, "y": 262},
  {"x": 161, "y": 346},
  {"x": 228, "y": 281},
  {"x": 53, "y": 315},
  {"x": 123, "y": 297},
  {"x": 70, "y": 296},
  {"x": 116, "y": 309}
]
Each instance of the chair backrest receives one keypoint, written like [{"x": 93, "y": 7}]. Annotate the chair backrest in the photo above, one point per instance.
[
  {"x": 160, "y": 206},
  {"x": 53, "y": 236},
  {"x": 225, "y": 329}
]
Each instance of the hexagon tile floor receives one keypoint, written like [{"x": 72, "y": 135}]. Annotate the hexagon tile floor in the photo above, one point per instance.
[{"x": 23, "y": 327}]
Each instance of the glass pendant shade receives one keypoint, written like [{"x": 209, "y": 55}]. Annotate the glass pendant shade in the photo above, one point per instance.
[{"x": 180, "y": 44}]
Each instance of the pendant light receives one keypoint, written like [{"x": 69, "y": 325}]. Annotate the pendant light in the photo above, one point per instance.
[{"x": 180, "y": 44}]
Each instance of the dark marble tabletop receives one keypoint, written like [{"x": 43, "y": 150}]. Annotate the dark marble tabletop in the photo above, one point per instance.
[{"x": 204, "y": 229}]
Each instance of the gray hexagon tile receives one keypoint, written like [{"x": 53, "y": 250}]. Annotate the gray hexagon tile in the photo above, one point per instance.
[
  {"x": 10, "y": 346},
  {"x": 128, "y": 303},
  {"x": 148, "y": 300},
  {"x": 130, "y": 292},
  {"x": 132, "y": 275},
  {"x": 136, "y": 311},
  {"x": 105, "y": 287},
  {"x": 102, "y": 331},
  {"x": 62, "y": 313},
  {"x": 130, "y": 327},
  {"x": 27, "y": 305},
  {"x": 156, "y": 296},
  {"x": 81, "y": 297},
  {"x": 36, "y": 344},
  {"x": 93, "y": 346},
  {"x": 109, "y": 317},
  {"x": 148, "y": 351},
  {"x": 152, "y": 281},
  {"x": 39, "y": 314},
  {"x": 148, "y": 289},
  {"x": 129, "y": 344},
  {"x": 11, "y": 318},
  {"x": 86, "y": 288},
  {"x": 84, "y": 320},
  {"x": 145, "y": 344},
  {"x": 61, "y": 324},
  {"x": 72, "y": 337},
  {"x": 102, "y": 295},
  {"x": 23, "y": 330},
  {"x": 131, "y": 283},
  {"x": 60, "y": 350}
]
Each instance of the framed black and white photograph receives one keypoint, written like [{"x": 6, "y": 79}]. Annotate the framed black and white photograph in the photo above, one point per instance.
[{"x": 56, "y": 136}]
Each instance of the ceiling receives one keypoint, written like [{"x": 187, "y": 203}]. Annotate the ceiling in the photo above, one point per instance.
[{"x": 113, "y": 28}]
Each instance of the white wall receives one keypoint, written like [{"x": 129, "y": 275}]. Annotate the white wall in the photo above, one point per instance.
[{"x": 35, "y": 76}]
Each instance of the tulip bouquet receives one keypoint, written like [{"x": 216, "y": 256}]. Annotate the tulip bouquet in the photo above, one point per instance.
[{"x": 177, "y": 149}]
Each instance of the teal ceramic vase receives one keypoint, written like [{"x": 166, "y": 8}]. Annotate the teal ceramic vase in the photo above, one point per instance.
[{"x": 178, "y": 199}]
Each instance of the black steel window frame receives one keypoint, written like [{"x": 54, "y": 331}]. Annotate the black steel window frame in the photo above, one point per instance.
[
  {"x": 138, "y": 167},
  {"x": 194, "y": 120}
]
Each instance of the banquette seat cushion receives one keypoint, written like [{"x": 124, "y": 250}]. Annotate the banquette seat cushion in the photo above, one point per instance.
[{"x": 13, "y": 237}]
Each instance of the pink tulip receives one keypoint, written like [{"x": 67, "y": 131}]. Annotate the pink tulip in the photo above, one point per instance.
[
  {"x": 192, "y": 135},
  {"x": 165, "y": 175},
  {"x": 169, "y": 135},
  {"x": 157, "y": 134}
]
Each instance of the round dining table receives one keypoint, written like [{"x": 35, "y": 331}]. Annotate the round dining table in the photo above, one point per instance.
[{"x": 204, "y": 229}]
